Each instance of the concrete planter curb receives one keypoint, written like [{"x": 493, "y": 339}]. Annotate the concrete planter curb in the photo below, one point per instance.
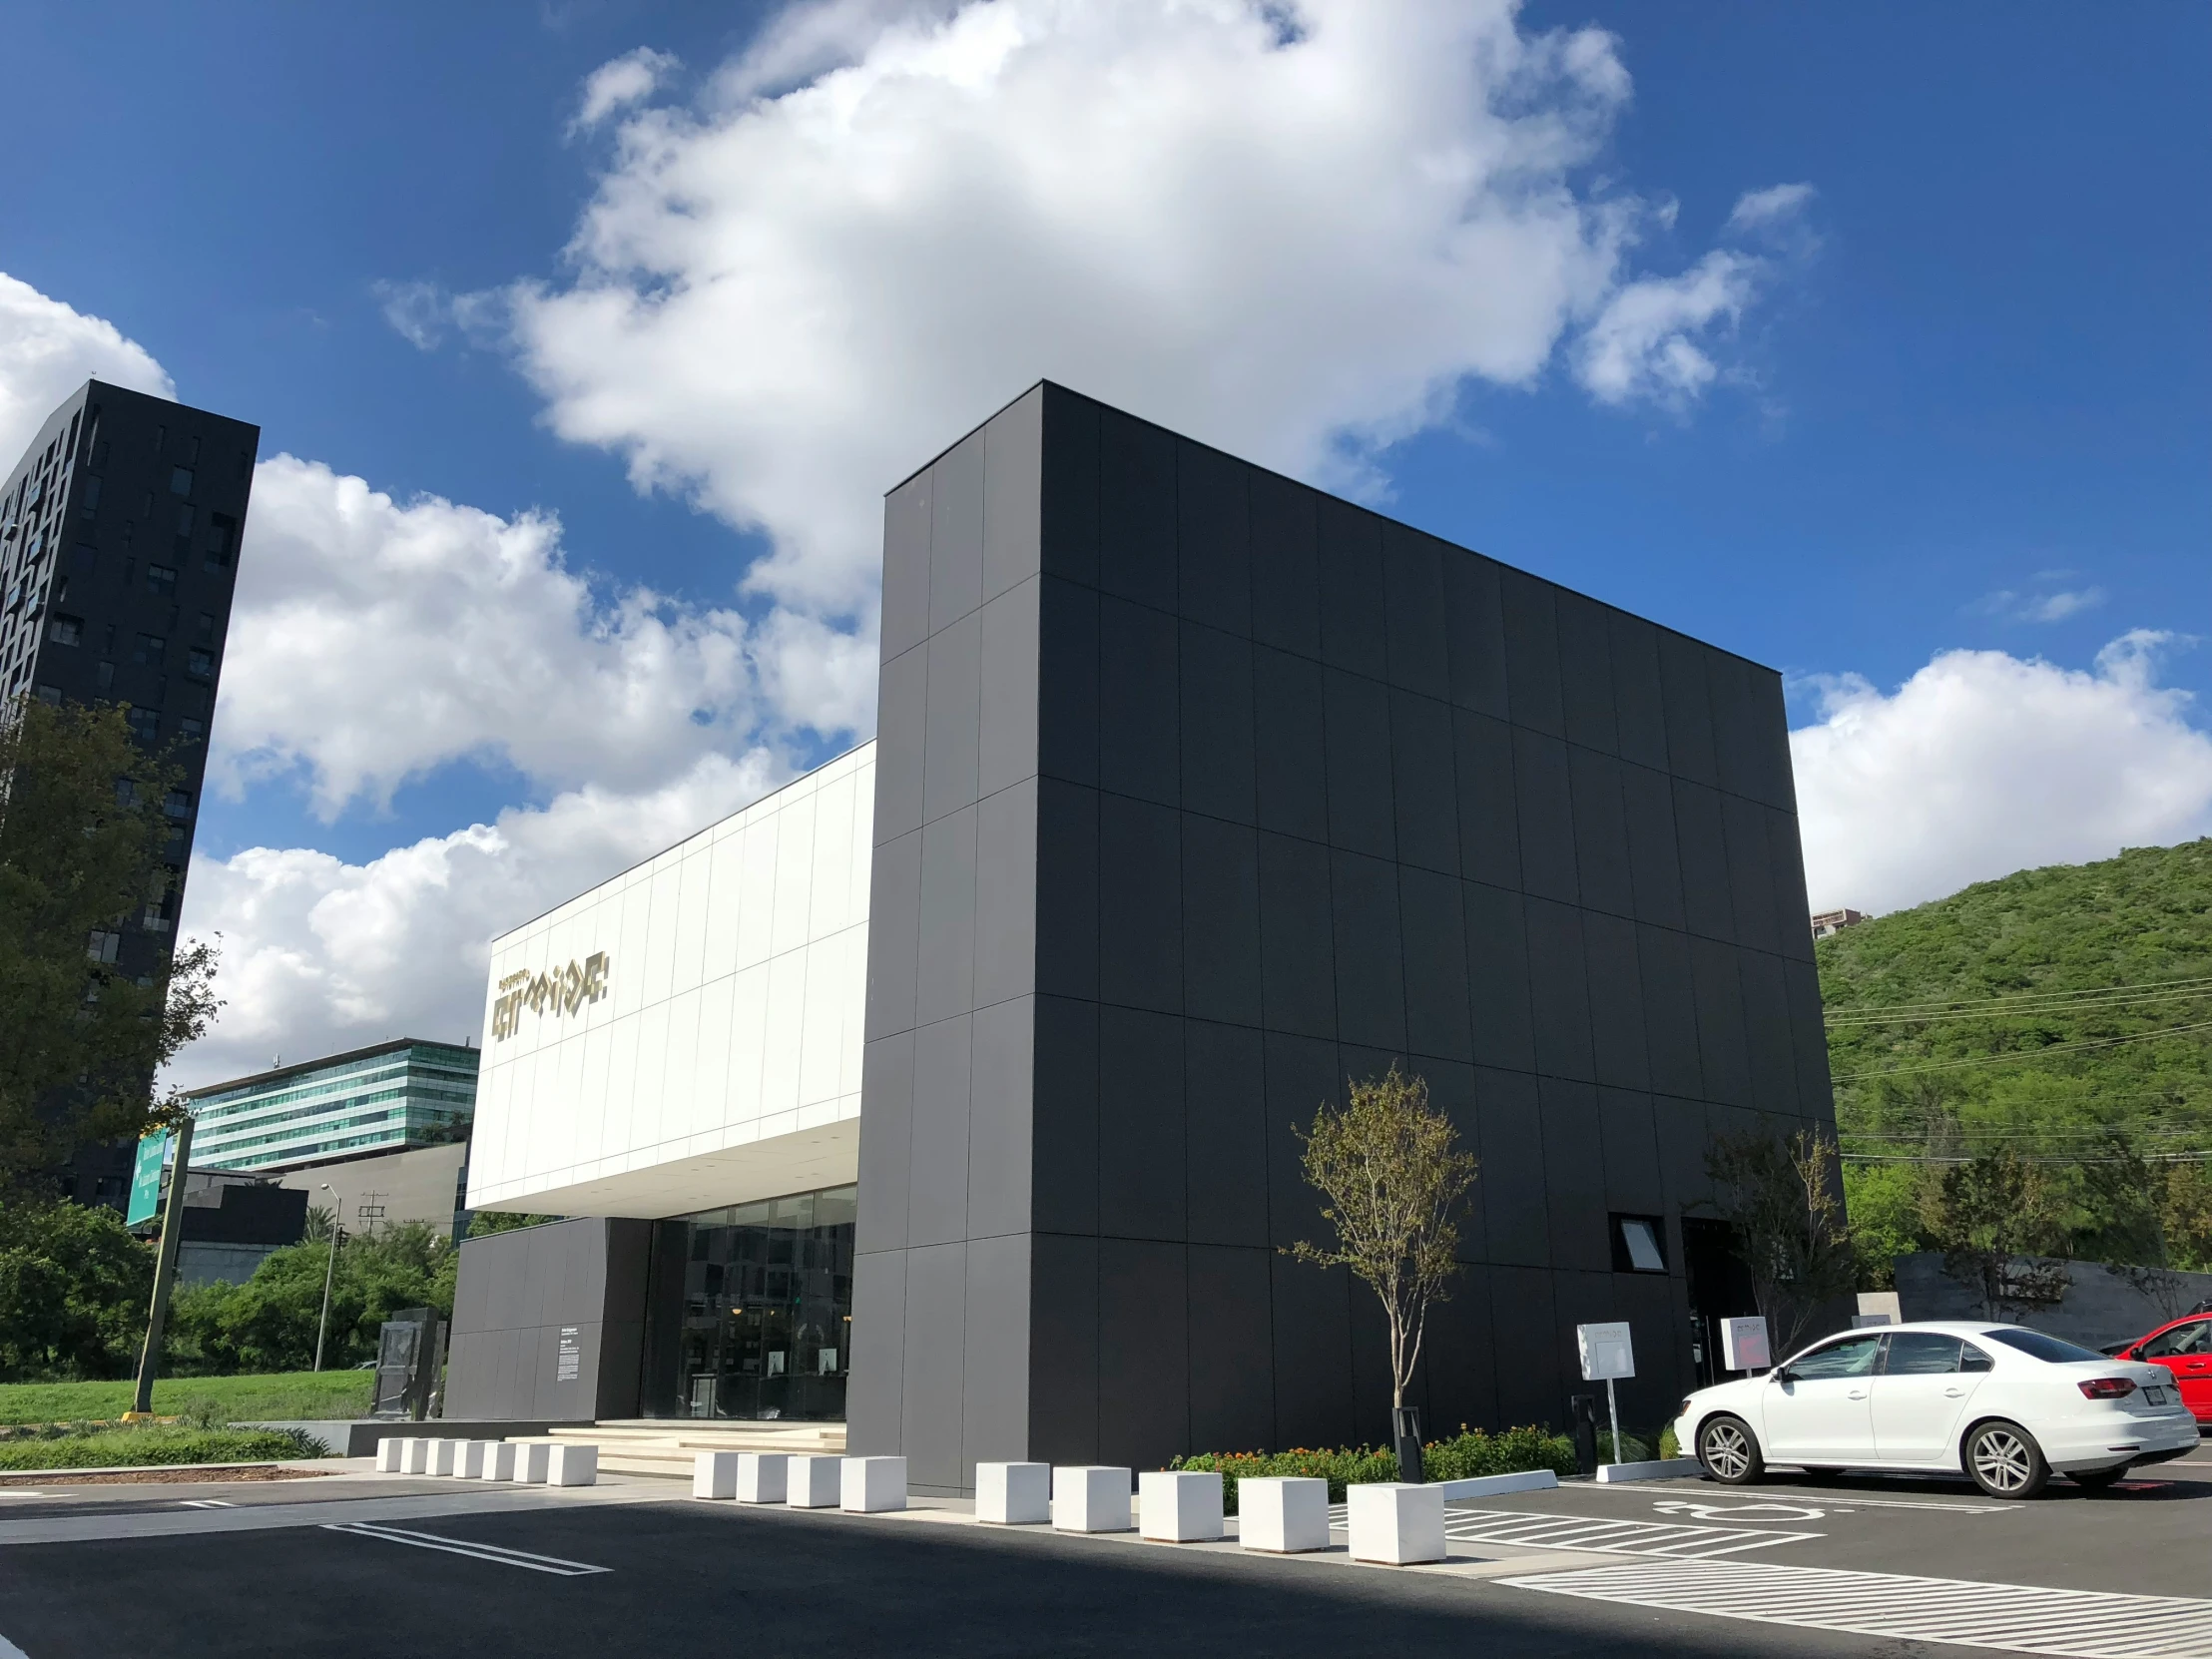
[
  {"x": 1493, "y": 1485},
  {"x": 1659, "y": 1469}
]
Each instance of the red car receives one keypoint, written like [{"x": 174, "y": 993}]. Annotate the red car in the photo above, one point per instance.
[{"x": 2183, "y": 1347}]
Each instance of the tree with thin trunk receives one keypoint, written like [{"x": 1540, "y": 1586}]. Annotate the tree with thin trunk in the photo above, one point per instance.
[
  {"x": 1395, "y": 1180},
  {"x": 1782, "y": 1198},
  {"x": 83, "y": 828},
  {"x": 2000, "y": 1221}
]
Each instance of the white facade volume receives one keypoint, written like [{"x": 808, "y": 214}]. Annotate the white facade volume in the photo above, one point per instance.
[{"x": 688, "y": 1034}]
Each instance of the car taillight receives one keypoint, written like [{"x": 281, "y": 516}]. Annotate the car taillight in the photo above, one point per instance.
[{"x": 2106, "y": 1387}]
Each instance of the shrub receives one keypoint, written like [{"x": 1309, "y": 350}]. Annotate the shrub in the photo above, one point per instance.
[
  {"x": 113, "y": 1446},
  {"x": 1468, "y": 1453}
]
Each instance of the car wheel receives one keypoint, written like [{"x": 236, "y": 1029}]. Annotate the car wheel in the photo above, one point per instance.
[
  {"x": 2006, "y": 1461},
  {"x": 2097, "y": 1479},
  {"x": 1730, "y": 1452}
]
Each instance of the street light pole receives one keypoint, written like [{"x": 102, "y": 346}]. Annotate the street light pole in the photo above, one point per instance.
[
  {"x": 165, "y": 1269},
  {"x": 329, "y": 1268}
]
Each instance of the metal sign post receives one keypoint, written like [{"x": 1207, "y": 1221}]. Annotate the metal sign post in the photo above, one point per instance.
[
  {"x": 1607, "y": 1354},
  {"x": 165, "y": 1269},
  {"x": 1744, "y": 1345}
]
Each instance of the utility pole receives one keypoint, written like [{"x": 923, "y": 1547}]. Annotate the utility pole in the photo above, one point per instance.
[
  {"x": 329, "y": 1267},
  {"x": 165, "y": 1269}
]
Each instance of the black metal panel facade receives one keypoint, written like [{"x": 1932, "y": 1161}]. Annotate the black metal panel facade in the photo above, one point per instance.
[
  {"x": 1199, "y": 792},
  {"x": 120, "y": 531},
  {"x": 549, "y": 1322}
]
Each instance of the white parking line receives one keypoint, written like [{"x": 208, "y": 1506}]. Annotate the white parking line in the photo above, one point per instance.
[
  {"x": 460, "y": 1546},
  {"x": 8, "y": 1650},
  {"x": 1833, "y": 1500},
  {"x": 208, "y": 1503},
  {"x": 2014, "y": 1618}
]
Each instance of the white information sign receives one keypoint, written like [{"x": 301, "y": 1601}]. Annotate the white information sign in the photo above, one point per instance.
[
  {"x": 1606, "y": 1352},
  {"x": 1744, "y": 1345}
]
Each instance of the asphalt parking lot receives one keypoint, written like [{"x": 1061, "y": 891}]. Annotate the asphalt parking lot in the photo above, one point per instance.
[{"x": 361, "y": 1563}]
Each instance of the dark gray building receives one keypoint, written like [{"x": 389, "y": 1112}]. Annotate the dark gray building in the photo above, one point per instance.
[
  {"x": 119, "y": 543},
  {"x": 1199, "y": 790},
  {"x": 1196, "y": 791}
]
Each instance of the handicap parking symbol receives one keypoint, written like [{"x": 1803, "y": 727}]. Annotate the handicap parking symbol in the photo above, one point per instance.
[{"x": 1740, "y": 1512}]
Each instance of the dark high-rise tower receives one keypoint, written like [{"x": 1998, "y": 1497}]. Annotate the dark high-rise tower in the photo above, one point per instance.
[{"x": 119, "y": 544}]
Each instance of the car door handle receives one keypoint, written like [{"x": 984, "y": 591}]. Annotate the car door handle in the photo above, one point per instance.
[
  {"x": 1953, "y": 1394},
  {"x": 1857, "y": 1394}
]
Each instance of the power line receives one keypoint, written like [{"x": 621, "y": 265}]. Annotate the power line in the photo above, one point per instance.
[
  {"x": 1933, "y": 1158},
  {"x": 2025, "y": 1054},
  {"x": 2026, "y": 1012},
  {"x": 1998, "y": 1002}
]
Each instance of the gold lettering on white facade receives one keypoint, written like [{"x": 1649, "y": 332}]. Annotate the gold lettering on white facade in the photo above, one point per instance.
[{"x": 563, "y": 990}]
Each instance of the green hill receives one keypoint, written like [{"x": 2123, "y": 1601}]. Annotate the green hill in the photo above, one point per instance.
[{"x": 2064, "y": 1014}]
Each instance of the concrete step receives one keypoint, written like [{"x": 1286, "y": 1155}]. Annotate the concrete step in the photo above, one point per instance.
[{"x": 669, "y": 1446}]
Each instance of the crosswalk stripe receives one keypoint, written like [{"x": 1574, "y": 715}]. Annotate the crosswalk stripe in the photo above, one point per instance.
[
  {"x": 1544, "y": 1530},
  {"x": 2013, "y": 1618}
]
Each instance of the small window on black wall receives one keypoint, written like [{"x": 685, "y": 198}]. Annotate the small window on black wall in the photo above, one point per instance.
[{"x": 1639, "y": 1244}]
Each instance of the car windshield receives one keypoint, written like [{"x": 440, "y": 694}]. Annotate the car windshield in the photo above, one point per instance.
[{"x": 2052, "y": 1348}]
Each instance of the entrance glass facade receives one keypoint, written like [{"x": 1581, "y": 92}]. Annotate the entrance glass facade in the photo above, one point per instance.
[{"x": 749, "y": 1310}]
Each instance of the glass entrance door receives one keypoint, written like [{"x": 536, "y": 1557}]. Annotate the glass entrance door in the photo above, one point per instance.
[{"x": 750, "y": 1311}]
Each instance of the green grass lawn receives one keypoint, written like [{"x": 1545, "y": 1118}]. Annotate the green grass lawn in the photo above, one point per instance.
[{"x": 299, "y": 1393}]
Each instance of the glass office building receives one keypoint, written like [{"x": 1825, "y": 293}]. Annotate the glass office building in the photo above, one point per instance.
[{"x": 400, "y": 1094}]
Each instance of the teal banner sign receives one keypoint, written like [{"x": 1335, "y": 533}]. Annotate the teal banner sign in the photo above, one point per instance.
[{"x": 145, "y": 1178}]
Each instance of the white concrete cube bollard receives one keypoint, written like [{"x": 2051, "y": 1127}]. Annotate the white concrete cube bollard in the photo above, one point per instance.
[
  {"x": 1284, "y": 1515},
  {"x": 1090, "y": 1497},
  {"x": 469, "y": 1460},
  {"x": 814, "y": 1483},
  {"x": 870, "y": 1486},
  {"x": 1179, "y": 1506},
  {"x": 1013, "y": 1495},
  {"x": 441, "y": 1456},
  {"x": 499, "y": 1459},
  {"x": 387, "y": 1453},
  {"x": 533, "y": 1458},
  {"x": 715, "y": 1474},
  {"x": 762, "y": 1477},
  {"x": 573, "y": 1465},
  {"x": 415, "y": 1457},
  {"x": 1396, "y": 1522}
]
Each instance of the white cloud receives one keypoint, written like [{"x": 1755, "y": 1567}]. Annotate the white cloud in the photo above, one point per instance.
[
  {"x": 373, "y": 641},
  {"x": 418, "y": 311},
  {"x": 1294, "y": 232},
  {"x": 1983, "y": 764},
  {"x": 320, "y": 955},
  {"x": 627, "y": 80},
  {"x": 2046, "y": 606},
  {"x": 1758, "y": 208},
  {"x": 48, "y": 350},
  {"x": 1644, "y": 345}
]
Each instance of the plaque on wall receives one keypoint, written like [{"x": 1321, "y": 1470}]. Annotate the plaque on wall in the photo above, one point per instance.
[{"x": 568, "y": 1366}]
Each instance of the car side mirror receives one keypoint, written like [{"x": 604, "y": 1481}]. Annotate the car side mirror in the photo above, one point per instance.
[{"x": 1783, "y": 1373}]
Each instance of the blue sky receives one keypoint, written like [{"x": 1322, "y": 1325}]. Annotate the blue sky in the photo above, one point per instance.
[{"x": 1957, "y": 400}]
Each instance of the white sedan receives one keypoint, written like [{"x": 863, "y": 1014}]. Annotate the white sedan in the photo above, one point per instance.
[{"x": 2004, "y": 1404}]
